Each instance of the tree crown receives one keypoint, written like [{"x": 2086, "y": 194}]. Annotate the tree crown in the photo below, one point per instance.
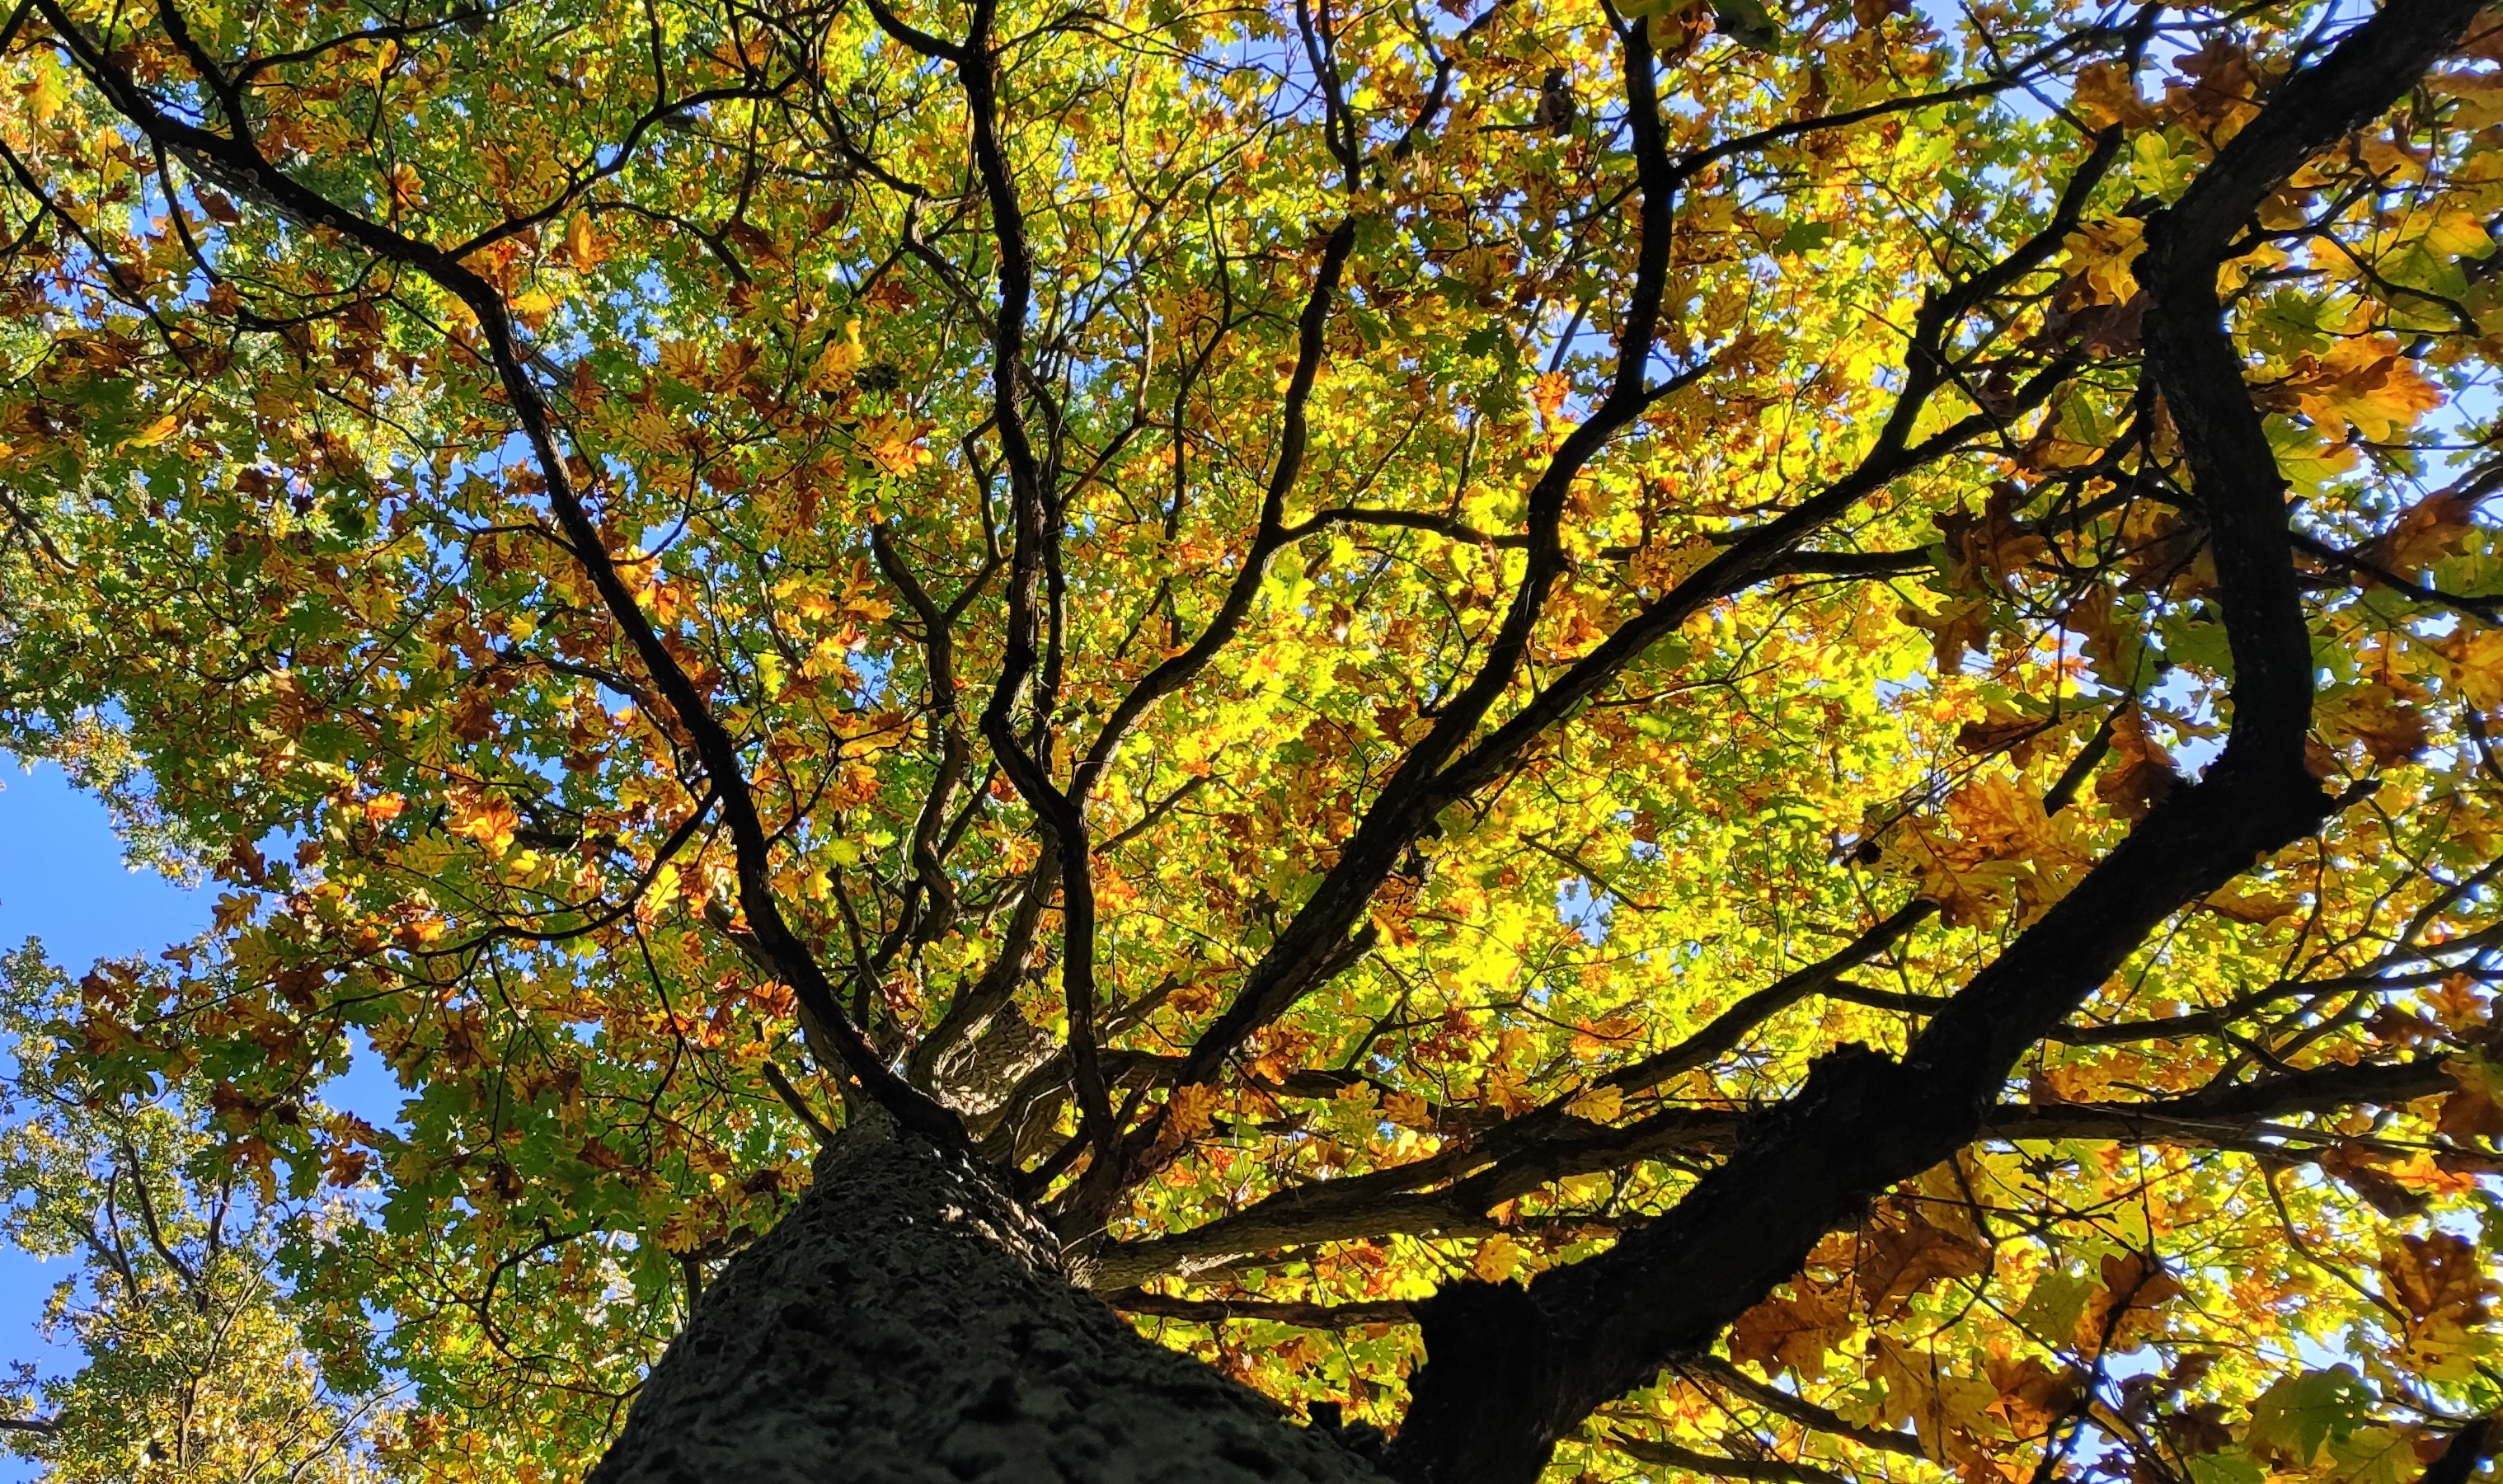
[{"x": 1798, "y": 693}]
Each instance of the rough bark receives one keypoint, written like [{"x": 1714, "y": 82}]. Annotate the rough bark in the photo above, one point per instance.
[{"x": 908, "y": 1321}]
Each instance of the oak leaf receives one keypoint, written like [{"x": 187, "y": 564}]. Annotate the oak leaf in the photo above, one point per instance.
[
  {"x": 2365, "y": 382},
  {"x": 2032, "y": 1396},
  {"x": 2476, "y": 1109},
  {"x": 2390, "y": 730},
  {"x": 2145, "y": 774},
  {"x": 2294, "y": 1419},
  {"x": 1790, "y": 1331},
  {"x": 1498, "y": 1259},
  {"x": 582, "y": 245},
  {"x": 1190, "y": 1109},
  {"x": 2122, "y": 1313},
  {"x": 2426, "y": 531},
  {"x": 1898, "y": 1262}
]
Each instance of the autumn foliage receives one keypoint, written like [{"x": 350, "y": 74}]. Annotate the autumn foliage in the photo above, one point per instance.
[{"x": 1791, "y": 707}]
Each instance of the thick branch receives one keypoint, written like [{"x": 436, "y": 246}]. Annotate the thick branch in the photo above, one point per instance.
[
  {"x": 2468, "y": 1447},
  {"x": 233, "y": 163},
  {"x": 1582, "y": 1334},
  {"x": 1308, "y": 1316},
  {"x": 1720, "y": 1466},
  {"x": 1454, "y": 1190}
]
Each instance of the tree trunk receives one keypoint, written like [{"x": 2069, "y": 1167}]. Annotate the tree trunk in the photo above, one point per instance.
[{"x": 908, "y": 1321}]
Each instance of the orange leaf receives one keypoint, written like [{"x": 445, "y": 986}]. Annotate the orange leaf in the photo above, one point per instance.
[{"x": 1794, "y": 1332}]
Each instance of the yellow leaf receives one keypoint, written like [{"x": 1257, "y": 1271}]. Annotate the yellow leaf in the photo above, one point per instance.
[
  {"x": 1663, "y": 565},
  {"x": 1793, "y": 1331},
  {"x": 49, "y": 89},
  {"x": 683, "y": 1232},
  {"x": 407, "y": 192},
  {"x": 2479, "y": 96},
  {"x": 2257, "y": 907},
  {"x": 1408, "y": 1111},
  {"x": 2443, "y": 1284},
  {"x": 2099, "y": 256},
  {"x": 894, "y": 444},
  {"x": 534, "y": 308},
  {"x": 2125, "y": 1311},
  {"x": 2477, "y": 667},
  {"x": 1508, "y": 1089},
  {"x": 154, "y": 434},
  {"x": 1549, "y": 391},
  {"x": 2425, "y": 533},
  {"x": 1953, "y": 629},
  {"x": 2105, "y": 93},
  {"x": 485, "y": 817},
  {"x": 2454, "y": 232},
  {"x": 582, "y": 245},
  {"x": 839, "y": 361},
  {"x": 1600, "y": 1105},
  {"x": 1190, "y": 1109},
  {"x": 1498, "y": 1257},
  {"x": 2032, "y": 1396},
  {"x": 2363, "y": 382},
  {"x": 1898, "y": 1262},
  {"x": 2391, "y": 731},
  {"x": 683, "y": 360}
]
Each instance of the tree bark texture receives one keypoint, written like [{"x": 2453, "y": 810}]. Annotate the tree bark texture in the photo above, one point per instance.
[{"x": 908, "y": 1321}]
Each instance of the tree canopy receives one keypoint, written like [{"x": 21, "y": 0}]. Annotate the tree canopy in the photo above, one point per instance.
[{"x": 1642, "y": 738}]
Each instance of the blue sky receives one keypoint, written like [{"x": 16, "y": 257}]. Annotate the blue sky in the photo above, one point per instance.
[{"x": 62, "y": 879}]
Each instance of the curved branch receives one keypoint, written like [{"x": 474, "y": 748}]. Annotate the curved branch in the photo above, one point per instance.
[
  {"x": 1454, "y": 1190},
  {"x": 1718, "y": 1466},
  {"x": 1799, "y": 1409},
  {"x": 1512, "y": 1369},
  {"x": 1308, "y": 1316},
  {"x": 235, "y": 164}
]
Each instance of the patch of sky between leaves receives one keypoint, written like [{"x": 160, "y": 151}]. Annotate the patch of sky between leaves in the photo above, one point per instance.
[{"x": 65, "y": 879}]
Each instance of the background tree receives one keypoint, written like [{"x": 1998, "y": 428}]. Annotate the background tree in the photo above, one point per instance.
[
  {"x": 1739, "y": 740},
  {"x": 195, "y": 1361}
]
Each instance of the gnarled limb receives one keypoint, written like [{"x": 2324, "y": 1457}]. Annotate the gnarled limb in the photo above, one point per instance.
[
  {"x": 233, "y": 162},
  {"x": 1454, "y": 1190},
  {"x": 1512, "y": 1369},
  {"x": 1446, "y": 765}
]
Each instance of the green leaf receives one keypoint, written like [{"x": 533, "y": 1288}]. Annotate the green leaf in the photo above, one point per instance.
[
  {"x": 2292, "y": 1420},
  {"x": 2373, "y": 1456},
  {"x": 1748, "y": 23},
  {"x": 2224, "y": 1468},
  {"x": 2050, "y": 1312},
  {"x": 1802, "y": 237}
]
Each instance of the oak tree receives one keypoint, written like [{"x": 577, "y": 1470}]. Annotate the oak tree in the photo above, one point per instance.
[{"x": 1629, "y": 739}]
